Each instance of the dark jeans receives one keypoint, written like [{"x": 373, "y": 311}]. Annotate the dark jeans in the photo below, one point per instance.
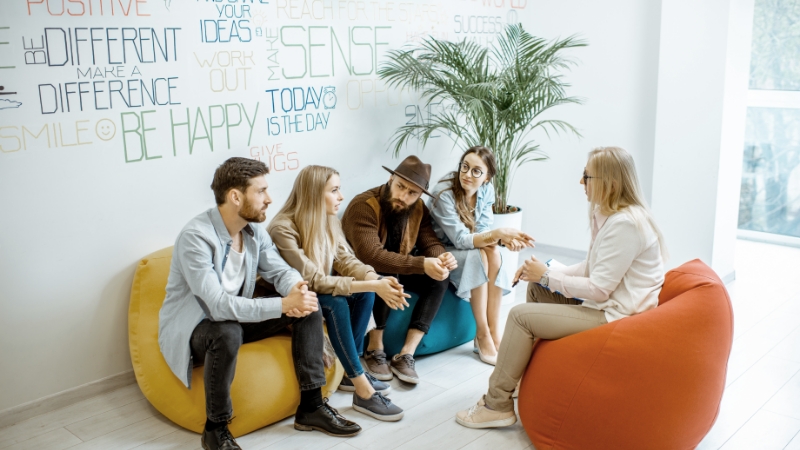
[
  {"x": 347, "y": 319},
  {"x": 431, "y": 293},
  {"x": 216, "y": 345}
]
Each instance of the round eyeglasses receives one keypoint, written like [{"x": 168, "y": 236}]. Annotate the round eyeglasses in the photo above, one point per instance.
[{"x": 474, "y": 171}]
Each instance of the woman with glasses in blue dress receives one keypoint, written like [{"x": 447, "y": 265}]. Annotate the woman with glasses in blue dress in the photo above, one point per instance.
[{"x": 462, "y": 219}]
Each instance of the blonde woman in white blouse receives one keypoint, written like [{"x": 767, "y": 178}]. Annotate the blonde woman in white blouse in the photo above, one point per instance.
[{"x": 621, "y": 276}]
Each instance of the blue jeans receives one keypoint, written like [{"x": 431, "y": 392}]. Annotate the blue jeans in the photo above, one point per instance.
[{"x": 347, "y": 319}]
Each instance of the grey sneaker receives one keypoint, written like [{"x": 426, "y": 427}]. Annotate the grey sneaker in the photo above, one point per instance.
[
  {"x": 403, "y": 367},
  {"x": 378, "y": 385},
  {"x": 378, "y": 407},
  {"x": 377, "y": 365}
]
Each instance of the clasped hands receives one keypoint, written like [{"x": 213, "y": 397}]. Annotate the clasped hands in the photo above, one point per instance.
[
  {"x": 439, "y": 268},
  {"x": 300, "y": 302},
  {"x": 391, "y": 291}
]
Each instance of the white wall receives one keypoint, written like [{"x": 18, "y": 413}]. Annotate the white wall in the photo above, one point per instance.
[
  {"x": 77, "y": 219},
  {"x": 734, "y": 118},
  {"x": 617, "y": 76},
  {"x": 79, "y": 210},
  {"x": 703, "y": 69}
]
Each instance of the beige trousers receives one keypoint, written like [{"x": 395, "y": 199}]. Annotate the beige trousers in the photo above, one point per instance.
[{"x": 546, "y": 315}]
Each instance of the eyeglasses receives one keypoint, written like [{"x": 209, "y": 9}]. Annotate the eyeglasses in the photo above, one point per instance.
[
  {"x": 474, "y": 171},
  {"x": 586, "y": 177}
]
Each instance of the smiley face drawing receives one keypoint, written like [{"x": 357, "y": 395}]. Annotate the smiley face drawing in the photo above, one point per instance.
[
  {"x": 329, "y": 97},
  {"x": 105, "y": 129}
]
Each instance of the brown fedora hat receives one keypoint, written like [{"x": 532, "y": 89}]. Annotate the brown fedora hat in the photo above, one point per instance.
[{"x": 413, "y": 170}]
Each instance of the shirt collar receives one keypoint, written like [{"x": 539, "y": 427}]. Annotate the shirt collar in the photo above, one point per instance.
[{"x": 221, "y": 229}]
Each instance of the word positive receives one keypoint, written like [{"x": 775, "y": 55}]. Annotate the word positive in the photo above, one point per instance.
[{"x": 88, "y": 7}]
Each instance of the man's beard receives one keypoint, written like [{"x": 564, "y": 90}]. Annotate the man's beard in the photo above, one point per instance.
[
  {"x": 252, "y": 214},
  {"x": 395, "y": 218}
]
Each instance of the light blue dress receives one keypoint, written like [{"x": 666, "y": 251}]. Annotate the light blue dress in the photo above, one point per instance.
[{"x": 458, "y": 240}]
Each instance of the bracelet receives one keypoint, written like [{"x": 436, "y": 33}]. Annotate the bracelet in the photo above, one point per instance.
[{"x": 380, "y": 277}]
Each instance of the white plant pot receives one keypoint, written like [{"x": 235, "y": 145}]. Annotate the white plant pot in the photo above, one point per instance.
[{"x": 510, "y": 259}]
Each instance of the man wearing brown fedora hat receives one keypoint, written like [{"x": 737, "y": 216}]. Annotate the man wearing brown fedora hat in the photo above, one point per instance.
[{"x": 384, "y": 225}]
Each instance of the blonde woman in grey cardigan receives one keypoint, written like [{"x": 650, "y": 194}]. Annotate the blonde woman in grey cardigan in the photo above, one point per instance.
[
  {"x": 462, "y": 219},
  {"x": 621, "y": 276}
]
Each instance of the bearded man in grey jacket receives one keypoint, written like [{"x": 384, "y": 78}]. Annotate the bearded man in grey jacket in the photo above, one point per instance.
[{"x": 209, "y": 310}]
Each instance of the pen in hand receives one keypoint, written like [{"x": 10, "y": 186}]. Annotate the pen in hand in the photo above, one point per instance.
[{"x": 520, "y": 273}]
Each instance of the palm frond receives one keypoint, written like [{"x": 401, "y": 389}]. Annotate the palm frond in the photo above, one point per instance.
[{"x": 487, "y": 96}]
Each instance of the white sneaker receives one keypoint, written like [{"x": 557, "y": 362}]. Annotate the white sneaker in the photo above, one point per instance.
[{"x": 480, "y": 416}]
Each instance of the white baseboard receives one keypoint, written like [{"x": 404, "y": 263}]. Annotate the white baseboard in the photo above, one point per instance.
[
  {"x": 729, "y": 277},
  {"x": 43, "y": 405},
  {"x": 561, "y": 251}
]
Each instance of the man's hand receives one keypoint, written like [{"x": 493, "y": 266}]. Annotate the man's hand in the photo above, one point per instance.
[
  {"x": 300, "y": 302},
  {"x": 448, "y": 260},
  {"x": 435, "y": 268},
  {"x": 391, "y": 291},
  {"x": 531, "y": 270}
]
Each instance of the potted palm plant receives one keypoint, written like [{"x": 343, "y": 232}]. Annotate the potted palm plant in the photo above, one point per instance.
[
  {"x": 487, "y": 96},
  {"x": 491, "y": 96}
]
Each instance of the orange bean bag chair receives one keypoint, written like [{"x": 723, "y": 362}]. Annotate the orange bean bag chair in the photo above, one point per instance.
[
  {"x": 265, "y": 389},
  {"x": 653, "y": 380}
]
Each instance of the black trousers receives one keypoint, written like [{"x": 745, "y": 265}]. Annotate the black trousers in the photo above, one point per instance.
[
  {"x": 216, "y": 346},
  {"x": 431, "y": 293}
]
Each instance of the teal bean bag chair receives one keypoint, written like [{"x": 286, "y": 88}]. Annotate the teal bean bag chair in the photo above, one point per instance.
[{"x": 452, "y": 326}]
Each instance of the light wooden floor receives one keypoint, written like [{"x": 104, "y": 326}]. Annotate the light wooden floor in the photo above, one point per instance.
[{"x": 760, "y": 409}]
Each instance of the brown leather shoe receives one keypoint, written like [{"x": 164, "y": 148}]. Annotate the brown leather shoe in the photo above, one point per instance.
[
  {"x": 377, "y": 365},
  {"x": 403, "y": 367}
]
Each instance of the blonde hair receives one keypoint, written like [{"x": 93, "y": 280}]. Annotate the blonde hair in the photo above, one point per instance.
[
  {"x": 615, "y": 188},
  {"x": 320, "y": 233}
]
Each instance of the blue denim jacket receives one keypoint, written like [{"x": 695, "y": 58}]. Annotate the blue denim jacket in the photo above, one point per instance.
[
  {"x": 446, "y": 223},
  {"x": 194, "y": 290}
]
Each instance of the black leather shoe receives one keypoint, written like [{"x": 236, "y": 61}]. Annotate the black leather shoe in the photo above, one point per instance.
[
  {"x": 219, "y": 439},
  {"x": 327, "y": 420}
]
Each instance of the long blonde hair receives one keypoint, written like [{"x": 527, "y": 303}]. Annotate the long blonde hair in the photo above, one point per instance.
[
  {"x": 615, "y": 188},
  {"x": 320, "y": 233}
]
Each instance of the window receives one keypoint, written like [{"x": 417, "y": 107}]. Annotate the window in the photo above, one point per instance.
[{"x": 770, "y": 195}]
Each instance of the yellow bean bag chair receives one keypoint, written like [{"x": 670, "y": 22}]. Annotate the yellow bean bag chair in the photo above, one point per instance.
[{"x": 264, "y": 391}]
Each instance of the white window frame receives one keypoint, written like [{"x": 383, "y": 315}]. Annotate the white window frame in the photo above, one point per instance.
[{"x": 758, "y": 98}]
